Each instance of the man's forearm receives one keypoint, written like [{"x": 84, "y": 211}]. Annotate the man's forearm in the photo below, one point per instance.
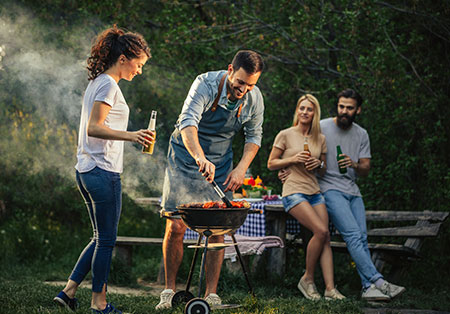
[
  {"x": 250, "y": 151},
  {"x": 190, "y": 140},
  {"x": 362, "y": 171},
  {"x": 362, "y": 167}
]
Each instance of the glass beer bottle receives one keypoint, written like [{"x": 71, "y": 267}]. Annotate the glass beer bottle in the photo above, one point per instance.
[
  {"x": 151, "y": 127},
  {"x": 339, "y": 157},
  {"x": 306, "y": 146}
]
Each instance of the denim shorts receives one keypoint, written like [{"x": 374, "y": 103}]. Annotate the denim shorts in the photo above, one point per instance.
[{"x": 294, "y": 199}]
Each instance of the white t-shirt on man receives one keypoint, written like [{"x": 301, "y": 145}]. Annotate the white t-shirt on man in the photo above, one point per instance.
[{"x": 96, "y": 152}]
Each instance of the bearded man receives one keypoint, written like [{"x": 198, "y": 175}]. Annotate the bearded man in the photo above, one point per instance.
[{"x": 342, "y": 196}]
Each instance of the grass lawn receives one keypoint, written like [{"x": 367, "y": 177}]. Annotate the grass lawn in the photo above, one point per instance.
[
  {"x": 22, "y": 290},
  {"x": 27, "y": 294}
]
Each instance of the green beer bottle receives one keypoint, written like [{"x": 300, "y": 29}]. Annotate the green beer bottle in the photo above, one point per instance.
[{"x": 339, "y": 157}]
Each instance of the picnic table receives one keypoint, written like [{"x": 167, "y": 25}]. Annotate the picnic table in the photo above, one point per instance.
[{"x": 395, "y": 237}]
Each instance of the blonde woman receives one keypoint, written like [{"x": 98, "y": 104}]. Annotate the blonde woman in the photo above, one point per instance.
[{"x": 301, "y": 193}]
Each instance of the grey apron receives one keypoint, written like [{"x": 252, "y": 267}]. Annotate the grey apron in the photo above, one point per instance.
[{"x": 182, "y": 182}]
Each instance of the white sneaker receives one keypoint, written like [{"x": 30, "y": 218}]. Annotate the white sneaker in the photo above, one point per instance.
[
  {"x": 391, "y": 290},
  {"x": 165, "y": 299},
  {"x": 213, "y": 299},
  {"x": 333, "y": 294},
  {"x": 374, "y": 294},
  {"x": 309, "y": 290}
]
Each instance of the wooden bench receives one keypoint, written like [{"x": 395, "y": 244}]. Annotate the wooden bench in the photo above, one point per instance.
[
  {"x": 124, "y": 250},
  {"x": 124, "y": 246},
  {"x": 396, "y": 245}
]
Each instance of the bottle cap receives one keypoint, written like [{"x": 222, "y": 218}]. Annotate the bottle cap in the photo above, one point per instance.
[{"x": 152, "y": 123}]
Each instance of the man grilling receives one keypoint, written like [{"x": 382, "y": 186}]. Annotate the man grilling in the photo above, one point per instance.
[{"x": 218, "y": 105}]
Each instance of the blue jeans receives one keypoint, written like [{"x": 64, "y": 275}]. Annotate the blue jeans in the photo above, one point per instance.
[
  {"x": 348, "y": 215},
  {"x": 102, "y": 192}
]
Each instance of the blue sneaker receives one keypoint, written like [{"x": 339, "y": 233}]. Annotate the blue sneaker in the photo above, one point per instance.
[
  {"x": 108, "y": 309},
  {"x": 63, "y": 300}
]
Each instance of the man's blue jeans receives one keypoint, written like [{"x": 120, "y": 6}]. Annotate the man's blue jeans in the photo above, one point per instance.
[
  {"x": 348, "y": 215},
  {"x": 102, "y": 192}
]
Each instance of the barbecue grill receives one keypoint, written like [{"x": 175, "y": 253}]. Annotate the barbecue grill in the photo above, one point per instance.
[{"x": 207, "y": 222}]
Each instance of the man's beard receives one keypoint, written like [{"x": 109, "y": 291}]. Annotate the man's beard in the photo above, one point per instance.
[
  {"x": 345, "y": 123},
  {"x": 232, "y": 91}
]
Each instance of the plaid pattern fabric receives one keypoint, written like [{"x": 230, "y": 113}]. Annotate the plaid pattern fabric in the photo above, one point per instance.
[
  {"x": 255, "y": 224},
  {"x": 292, "y": 226}
]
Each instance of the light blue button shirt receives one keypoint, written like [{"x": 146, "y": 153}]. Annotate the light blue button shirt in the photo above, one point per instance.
[{"x": 201, "y": 97}]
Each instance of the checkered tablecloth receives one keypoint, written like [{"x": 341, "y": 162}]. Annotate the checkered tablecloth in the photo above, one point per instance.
[{"x": 255, "y": 224}]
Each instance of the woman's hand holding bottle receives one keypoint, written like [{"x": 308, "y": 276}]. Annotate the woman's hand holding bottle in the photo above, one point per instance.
[
  {"x": 304, "y": 157},
  {"x": 301, "y": 157},
  {"x": 144, "y": 137}
]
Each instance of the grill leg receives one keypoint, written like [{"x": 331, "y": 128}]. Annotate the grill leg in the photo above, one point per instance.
[
  {"x": 194, "y": 261},
  {"x": 242, "y": 265},
  {"x": 207, "y": 233}
]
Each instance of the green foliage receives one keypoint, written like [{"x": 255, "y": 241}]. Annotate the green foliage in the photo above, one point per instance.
[
  {"x": 395, "y": 55},
  {"x": 41, "y": 215}
]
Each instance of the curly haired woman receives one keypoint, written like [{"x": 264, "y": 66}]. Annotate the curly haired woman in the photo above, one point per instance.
[{"x": 115, "y": 55}]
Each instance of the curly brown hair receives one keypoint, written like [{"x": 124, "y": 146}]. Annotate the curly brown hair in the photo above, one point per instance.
[{"x": 110, "y": 45}]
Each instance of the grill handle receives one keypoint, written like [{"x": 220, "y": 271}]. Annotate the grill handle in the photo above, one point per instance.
[{"x": 167, "y": 214}]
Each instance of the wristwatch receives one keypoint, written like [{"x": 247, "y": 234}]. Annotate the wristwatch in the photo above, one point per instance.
[{"x": 322, "y": 164}]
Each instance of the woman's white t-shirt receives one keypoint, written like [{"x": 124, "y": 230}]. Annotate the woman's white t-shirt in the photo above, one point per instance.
[{"x": 92, "y": 151}]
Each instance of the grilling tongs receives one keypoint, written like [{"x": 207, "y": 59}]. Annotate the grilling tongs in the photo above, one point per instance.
[{"x": 221, "y": 194}]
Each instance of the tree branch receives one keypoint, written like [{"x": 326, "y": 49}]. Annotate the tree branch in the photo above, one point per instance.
[
  {"x": 409, "y": 62},
  {"x": 441, "y": 24}
]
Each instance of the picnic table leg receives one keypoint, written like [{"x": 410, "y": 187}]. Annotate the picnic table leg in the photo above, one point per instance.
[
  {"x": 161, "y": 274},
  {"x": 378, "y": 260},
  {"x": 276, "y": 225},
  {"x": 244, "y": 270},
  {"x": 306, "y": 236},
  {"x": 123, "y": 253}
]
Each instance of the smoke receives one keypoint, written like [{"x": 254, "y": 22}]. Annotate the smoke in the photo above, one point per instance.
[
  {"x": 51, "y": 77},
  {"x": 143, "y": 174},
  {"x": 2, "y": 54},
  {"x": 43, "y": 74}
]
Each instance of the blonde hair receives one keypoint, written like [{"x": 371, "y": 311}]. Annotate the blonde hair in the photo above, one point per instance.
[{"x": 314, "y": 129}]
